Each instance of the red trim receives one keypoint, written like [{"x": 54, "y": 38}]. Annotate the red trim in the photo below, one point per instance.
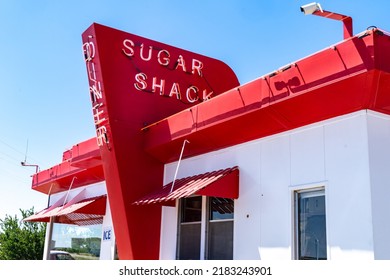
[{"x": 346, "y": 20}]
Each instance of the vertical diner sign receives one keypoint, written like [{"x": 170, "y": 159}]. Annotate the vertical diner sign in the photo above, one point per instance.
[{"x": 95, "y": 90}]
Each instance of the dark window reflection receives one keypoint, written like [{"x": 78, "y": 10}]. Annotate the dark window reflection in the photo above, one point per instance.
[
  {"x": 220, "y": 229},
  {"x": 311, "y": 226}
]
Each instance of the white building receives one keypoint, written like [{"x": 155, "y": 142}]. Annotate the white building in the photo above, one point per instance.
[{"x": 292, "y": 165}]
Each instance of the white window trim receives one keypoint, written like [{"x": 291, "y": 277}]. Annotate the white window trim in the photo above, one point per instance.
[
  {"x": 203, "y": 228},
  {"x": 307, "y": 187}
]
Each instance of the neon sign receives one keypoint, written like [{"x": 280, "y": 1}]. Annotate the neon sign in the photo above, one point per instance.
[
  {"x": 163, "y": 58},
  {"x": 95, "y": 90}
]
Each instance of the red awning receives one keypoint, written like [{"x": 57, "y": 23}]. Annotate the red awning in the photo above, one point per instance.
[
  {"x": 222, "y": 183},
  {"x": 78, "y": 211}
]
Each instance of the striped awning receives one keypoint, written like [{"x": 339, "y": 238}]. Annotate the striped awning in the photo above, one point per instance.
[
  {"x": 221, "y": 183},
  {"x": 80, "y": 210}
]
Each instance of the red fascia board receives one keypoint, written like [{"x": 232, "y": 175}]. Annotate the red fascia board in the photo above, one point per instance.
[
  {"x": 59, "y": 178},
  {"x": 226, "y": 187},
  {"x": 86, "y": 154},
  {"x": 81, "y": 164},
  {"x": 335, "y": 81}
]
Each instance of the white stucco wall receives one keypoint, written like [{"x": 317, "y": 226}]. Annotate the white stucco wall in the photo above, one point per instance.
[
  {"x": 379, "y": 141},
  {"x": 91, "y": 191},
  {"x": 333, "y": 153},
  {"x": 168, "y": 236}
]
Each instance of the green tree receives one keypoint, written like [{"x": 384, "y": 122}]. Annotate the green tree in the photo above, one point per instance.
[{"x": 21, "y": 240}]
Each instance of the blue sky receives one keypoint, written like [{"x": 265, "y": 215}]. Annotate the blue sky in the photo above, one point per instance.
[{"x": 43, "y": 85}]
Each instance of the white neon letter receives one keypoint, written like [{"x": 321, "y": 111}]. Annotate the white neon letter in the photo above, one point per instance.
[
  {"x": 181, "y": 62},
  {"x": 163, "y": 57},
  {"x": 141, "y": 79},
  {"x": 160, "y": 85},
  {"x": 175, "y": 90},
  {"x": 96, "y": 92},
  {"x": 89, "y": 51},
  {"x": 206, "y": 96},
  {"x": 188, "y": 94},
  {"x": 98, "y": 114},
  {"x": 197, "y": 65},
  {"x": 142, "y": 53},
  {"x": 128, "y": 50},
  {"x": 101, "y": 135}
]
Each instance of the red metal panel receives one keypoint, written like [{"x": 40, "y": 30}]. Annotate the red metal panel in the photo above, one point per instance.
[
  {"x": 78, "y": 211},
  {"x": 59, "y": 177},
  {"x": 221, "y": 183},
  {"x": 42, "y": 216},
  {"x": 81, "y": 165},
  {"x": 135, "y": 82},
  {"x": 227, "y": 185},
  {"x": 86, "y": 154},
  {"x": 95, "y": 205}
]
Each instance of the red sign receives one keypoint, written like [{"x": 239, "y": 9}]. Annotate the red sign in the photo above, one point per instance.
[{"x": 135, "y": 82}]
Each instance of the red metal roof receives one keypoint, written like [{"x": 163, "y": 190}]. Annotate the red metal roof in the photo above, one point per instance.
[
  {"x": 81, "y": 165},
  {"x": 78, "y": 211},
  {"x": 220, "y": 183},
  {"x": 350, "y": 76}
]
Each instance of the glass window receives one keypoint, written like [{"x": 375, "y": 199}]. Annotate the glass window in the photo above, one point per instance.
[
  {"x": 310, "y": 225},
  {"x": 191, "y": 209},
  {"x": 217, "y": 227},
  {"x": 220, "y": 229},
  {"x": 190, "y": 228},
  {"x": 189, "y": 247},
  {"x": 221, "y": 208},
  {"x": 82, "y": 241}
]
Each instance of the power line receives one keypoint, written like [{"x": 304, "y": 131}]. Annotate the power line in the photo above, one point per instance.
[
  {"x": 9, "y": 146},
  {"x": 16, "y": 150},
  {"x": 19, "y": 178}
]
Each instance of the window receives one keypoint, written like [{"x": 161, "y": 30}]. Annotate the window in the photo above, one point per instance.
[
  {"x": 310, "y": 225},
  {"x": 82, "y": 241},
  {"x": 206, "y": 228},
  {"x": 220, "y": 229},
  {"x": 190, "y": 228}
]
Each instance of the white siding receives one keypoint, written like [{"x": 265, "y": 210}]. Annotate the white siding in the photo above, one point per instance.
[
  {"x": 168, "y": 233},
  {"x": 275, "y": 199},
  {"x": 379, "y": 141},
  {"x": 348, "y": 194},
  {"x": 332, "y": 153}
]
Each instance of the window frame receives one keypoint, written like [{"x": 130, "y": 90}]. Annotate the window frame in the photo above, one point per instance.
[
  {"x": 294, "y": 191},
  {"x": 180, "y": 203},
  {"x": 204, "y": 229},
  {"x": 209, "y": 221}
]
